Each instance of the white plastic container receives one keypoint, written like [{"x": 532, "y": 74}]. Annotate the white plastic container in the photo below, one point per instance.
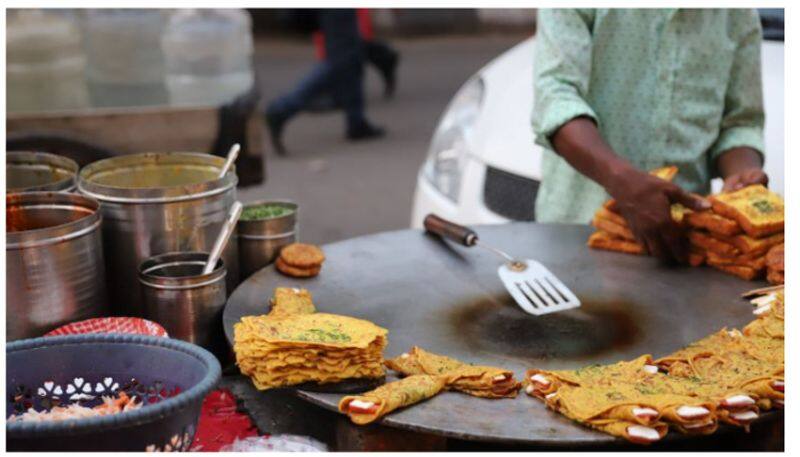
[
  {"x": 45, "y": 63},
  {"x": 125, "y": 61},
  {"x": 208, "y": 55}
]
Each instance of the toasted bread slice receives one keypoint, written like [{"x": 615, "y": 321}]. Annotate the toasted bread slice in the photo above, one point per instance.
[
  {"x": 757, "y": 209},
  {"x": 745, "y": 273},
  {"x": 775, "y": 258},
  {"x": 618, "y": 230},
  {"x": 605, "y": 213},
  {"x": 756, "y": 263},
  {"x": 706, "y": 242},
  {"x": 713, "y": 222},
  {"x": 697, "y": 256},
  {"x": 606, "y": 241},
  {"x": 774, "y": 276},
  {"x": 666, "y": 173},
  {"x": 749, "y": 245}
]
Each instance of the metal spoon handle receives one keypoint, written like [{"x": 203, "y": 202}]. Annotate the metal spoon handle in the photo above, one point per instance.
[
  {"x": 233, "y": 153},
  {"x": 223, "y": 237}
]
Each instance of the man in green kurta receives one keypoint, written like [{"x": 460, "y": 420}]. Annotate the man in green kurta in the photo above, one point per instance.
[{"x": 619, "y": 92}]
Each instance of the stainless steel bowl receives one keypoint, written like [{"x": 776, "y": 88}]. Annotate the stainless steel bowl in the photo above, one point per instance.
[{"x": 260, "y": 241}]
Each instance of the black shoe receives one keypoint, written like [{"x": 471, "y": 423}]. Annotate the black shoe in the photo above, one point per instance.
[
  {"x": 275, "y": 124},
  {"x": 364, "y": 131}
]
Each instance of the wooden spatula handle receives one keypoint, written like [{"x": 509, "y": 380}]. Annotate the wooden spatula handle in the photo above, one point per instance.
[{"x": 450, "y": 230}]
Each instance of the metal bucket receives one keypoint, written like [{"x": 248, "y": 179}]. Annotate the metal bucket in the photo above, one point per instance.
[
  {"x": 155, "y": 203},
  {"x": 187, "y": 303},
  {"x": 260, "y": 241},
  {"x": 39, "y": 172},
  {"x": 54, "y": 262}
]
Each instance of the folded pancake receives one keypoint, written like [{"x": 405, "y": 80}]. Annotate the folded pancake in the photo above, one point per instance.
[
  {"x": 606, "y": 241},
  {"x": 628, "y": 391},
  {"x": 475, "y": 380},
  {"x": 728, "y": 364},
  {"x": 758, "y": 210},
  {"x": 291, "y": 300},
  {"x": 769, "y": 324},
  {"x": 614, "y": 228},
  {"x": 753, "y": 246},
  {"x": 706, "y": 242},
  {"x": 372, "y": 405},
  {"x": 712, "y": 222}
]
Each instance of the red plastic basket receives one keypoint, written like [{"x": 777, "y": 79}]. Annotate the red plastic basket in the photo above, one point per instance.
[{"x": 133, "y": 325}]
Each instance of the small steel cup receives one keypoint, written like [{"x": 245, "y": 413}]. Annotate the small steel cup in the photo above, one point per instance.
[
  {"x": 260, "y": 241},
  {"x": 187, "y": 303}
]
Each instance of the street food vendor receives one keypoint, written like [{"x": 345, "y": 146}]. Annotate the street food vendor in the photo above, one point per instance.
[{"x": 622, "y": 91}]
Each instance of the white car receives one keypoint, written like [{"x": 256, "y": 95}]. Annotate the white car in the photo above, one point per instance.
[{"x": 483, "y": 166}]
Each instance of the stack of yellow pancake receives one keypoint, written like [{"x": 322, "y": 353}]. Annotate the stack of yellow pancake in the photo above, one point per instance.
[
  {"x": 293, "y": 345},
  {"x": 728, "y": 377},
  {"x": 734, "y": 236}
]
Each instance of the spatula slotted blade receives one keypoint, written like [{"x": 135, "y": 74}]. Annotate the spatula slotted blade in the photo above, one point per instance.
[{"x": 537, "y": 290}]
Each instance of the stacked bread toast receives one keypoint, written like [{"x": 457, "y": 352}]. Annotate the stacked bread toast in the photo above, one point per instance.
[{"x": 742, "y": 233}]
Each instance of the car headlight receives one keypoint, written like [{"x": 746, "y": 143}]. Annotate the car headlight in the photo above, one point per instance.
[{"x": 449, "y": 147}]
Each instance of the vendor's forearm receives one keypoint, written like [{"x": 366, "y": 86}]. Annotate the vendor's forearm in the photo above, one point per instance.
[
  {"x": 737, "y": 160},
  {"x": 579, "y": 142}
]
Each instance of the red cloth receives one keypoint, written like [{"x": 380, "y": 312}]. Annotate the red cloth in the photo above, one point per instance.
[
  {"x": 132, "y": 325},
  {"x": 364, "y": 29},
  {"x": 220, "y": 423}
]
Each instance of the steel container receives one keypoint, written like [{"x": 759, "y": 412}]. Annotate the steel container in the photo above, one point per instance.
[
  {"x": 155, "y": 203},
  {"x": 187, "y": 303},
  {"x": 54, "y": 262},
  {"x": 39, "y": 171},
  {"x": 260, "y": 241}
]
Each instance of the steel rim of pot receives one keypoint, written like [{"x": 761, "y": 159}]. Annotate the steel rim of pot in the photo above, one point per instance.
[
  {"x": 175, "y": 282},
  {"x": 263, "y": 225},
  {"x": 178, "y": 193},
  {"x": 22, "y": 158},
  {"x": 276, "y": 236},
  {"x": 25, "y": 239}
]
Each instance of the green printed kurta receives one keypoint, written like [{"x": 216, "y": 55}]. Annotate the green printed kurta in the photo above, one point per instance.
[{"x": 666, "y": 87}]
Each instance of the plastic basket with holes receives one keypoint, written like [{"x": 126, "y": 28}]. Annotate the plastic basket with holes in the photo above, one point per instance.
[
  {"x": 128, "y": 325},
  {"x": 170, "y": 378}
]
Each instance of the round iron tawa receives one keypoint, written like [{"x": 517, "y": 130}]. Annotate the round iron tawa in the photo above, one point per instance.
[{"x": 448, "y": 299}]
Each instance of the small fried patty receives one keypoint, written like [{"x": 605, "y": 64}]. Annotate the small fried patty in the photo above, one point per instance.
[
  {"x": 301, "y": 255},
  {"x": 296, "y": 272}
]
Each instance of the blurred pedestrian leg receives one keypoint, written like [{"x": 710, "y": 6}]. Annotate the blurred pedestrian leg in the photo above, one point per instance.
[
  {"x": 385, "y": 59},
  {"x": 341, "y": 73}
]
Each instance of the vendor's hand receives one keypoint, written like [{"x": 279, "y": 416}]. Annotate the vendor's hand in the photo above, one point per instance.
[
  {"x": 644, "y": 200},
  {"x": 741, "y": 167},
  {"x": 745, "y": 178}
]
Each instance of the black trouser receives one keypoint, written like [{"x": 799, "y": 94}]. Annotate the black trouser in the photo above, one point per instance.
[{"x": 341, "y": 73}]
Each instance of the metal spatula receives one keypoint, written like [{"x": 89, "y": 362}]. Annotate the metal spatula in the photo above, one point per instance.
[{"x": 535, "y": 288}]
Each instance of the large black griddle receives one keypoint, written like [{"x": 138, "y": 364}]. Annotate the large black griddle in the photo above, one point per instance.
[{"x": 448, "y": 299}]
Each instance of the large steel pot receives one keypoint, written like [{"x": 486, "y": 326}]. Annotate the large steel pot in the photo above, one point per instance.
[
  {"x": 155, "y": 203},
  {"x": 39, "y": 171},
  {"x": 54, "y": 262}
]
